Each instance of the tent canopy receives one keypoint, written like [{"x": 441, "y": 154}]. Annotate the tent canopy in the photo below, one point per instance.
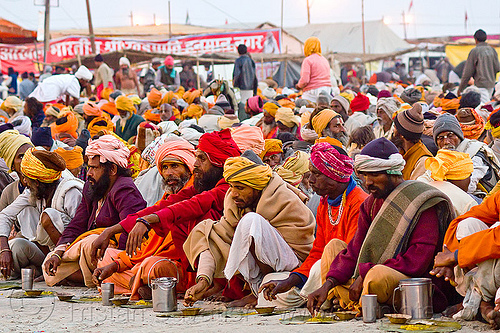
[
  {"x": 348, "y": 37},
  {"x": 11, "y": 33}
]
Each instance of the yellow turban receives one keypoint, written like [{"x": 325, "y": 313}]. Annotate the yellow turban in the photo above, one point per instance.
[
  {"x": 241, "y": 169},
  {"x": 287, "y": 117},
  {"x": 124, "y": 103},
  {"x": 42, "y": 165},
  {"x": 106, "y": 92},
  {"x": 72, "y": 157},
  {"x": 449, "y": 164},
  {"x": 12, "y": 102},
  {"x": 100, "y": 124},
  {"x": 192, "y": 111},
  {"x": 10, "y": 142},
  {"x": 321, "y": 120},
  {"x": 312, "y": 45},
  {"x": 294, "y": 168},
  {"x": 270, "y": 108},
  {"x": 136, "y": 100},
  {"x": 347, "y": 96},
  {"x": 271, "y": 147}
]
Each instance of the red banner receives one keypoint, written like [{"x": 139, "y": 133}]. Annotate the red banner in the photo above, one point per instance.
[{"x": 21, "y": 57}]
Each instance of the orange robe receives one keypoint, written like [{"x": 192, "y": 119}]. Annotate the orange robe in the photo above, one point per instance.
[
  {"x": 482, "y": 245},
  {"x": 344, "y": 230}
]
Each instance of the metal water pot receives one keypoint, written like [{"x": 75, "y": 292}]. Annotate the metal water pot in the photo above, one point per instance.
[
  {"x": 163, "y": 291},
  {"x": 416, "y": 297}
]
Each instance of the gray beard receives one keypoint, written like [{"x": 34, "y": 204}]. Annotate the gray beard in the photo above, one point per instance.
[
  {"x": 267, "y": 128},
  {"x": 174, "y": 189},
  {"x": 342, "y": 137}
]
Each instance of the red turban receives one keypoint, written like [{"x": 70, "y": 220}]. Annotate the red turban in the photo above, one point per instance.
[
  {"x": 360, "y": 103},
  {"x": 331, "y": 162},
  {"x": 219, "y": 146}
]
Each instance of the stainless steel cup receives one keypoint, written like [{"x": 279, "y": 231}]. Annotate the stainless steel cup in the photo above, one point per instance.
[
  {"x": 27, "y": 277},
  {"x": 107, "y": 292},
  {"x": 369, "y": 307}
]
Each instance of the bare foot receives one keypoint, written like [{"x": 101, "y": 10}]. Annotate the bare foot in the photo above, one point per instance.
[
  {"x": 249, "y": 301},
  {"x": 489, "y": 314},
  {"x": 452, "y": 310}
]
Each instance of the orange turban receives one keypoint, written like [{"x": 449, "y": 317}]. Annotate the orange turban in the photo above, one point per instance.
[
  {"x": 66, "y": 123},
  {"x": 271, "y": 147},
  {"x": 178, "y": 149},
  {"x": 99, "y": 124},
  {"x": 110, "y": 108},
  {"x": 73, "y": 157},
  {"x": 167, "y": 98},
  {"x": 475, "y": 128},
  {"x": 448, "y": 164},
  {"x": 151, "y": 116},
  {"x": 192, "y": 111},
  {"x": 332, "y": 141},
  {"x": 154, "y": 97},
  {"x": 90, "y": 109},
  {"x": 286, "y": 103},
  {"x": 450, "y": 104},
  {"x": 190, "y": 96}
]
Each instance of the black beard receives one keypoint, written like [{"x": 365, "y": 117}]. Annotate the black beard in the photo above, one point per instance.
[
  {"x": 207, "y": 180},
  {"x": 96, "y": 192},
  {"x": 181, "y": 181}
]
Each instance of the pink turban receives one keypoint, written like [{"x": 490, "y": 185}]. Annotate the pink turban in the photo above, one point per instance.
[
  {"x": 331, "y": 162},
  {"x": 90, "y": 109},
  {"x": 109, "y": 149},
  {"x": 249, "y": 137},
  {"x": 178, "y": 149},
  {"x": 255, "y": 104}
]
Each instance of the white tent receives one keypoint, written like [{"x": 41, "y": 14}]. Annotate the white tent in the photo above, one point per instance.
[{"x": 348, "y": 37}]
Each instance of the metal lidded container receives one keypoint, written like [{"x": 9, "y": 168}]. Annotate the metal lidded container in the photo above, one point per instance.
[
  {"x": 416, "y": 297},
  {"x": 163, "y": 291}
]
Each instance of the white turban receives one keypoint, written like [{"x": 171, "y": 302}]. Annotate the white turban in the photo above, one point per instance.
[
  {"x": 83, "y": 73},
  {"x": 389, "y": 105},
  {"x": 124, "y": 61},
  {"x": 269, "y": 93},
  {"x": 394, "y": 165},
  {"x": 22, "y": 124}
]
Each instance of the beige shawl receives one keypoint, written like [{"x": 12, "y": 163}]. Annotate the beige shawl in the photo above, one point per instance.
[{"x": 280, "y": 203}]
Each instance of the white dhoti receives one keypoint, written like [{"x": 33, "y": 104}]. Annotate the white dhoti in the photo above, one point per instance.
[
  {"x": 295, "y": 297},
  {"x": 270, "y": 249}
]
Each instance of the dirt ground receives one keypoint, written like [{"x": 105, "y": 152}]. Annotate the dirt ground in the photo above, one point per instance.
[{"x": 48, "y": 314}]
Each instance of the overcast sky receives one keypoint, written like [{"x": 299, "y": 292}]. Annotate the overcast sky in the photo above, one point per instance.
[{"x": 427, "y": 18}]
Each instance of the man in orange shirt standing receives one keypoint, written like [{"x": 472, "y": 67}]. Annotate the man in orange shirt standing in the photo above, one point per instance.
[{"x": 337, "y": 218}]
